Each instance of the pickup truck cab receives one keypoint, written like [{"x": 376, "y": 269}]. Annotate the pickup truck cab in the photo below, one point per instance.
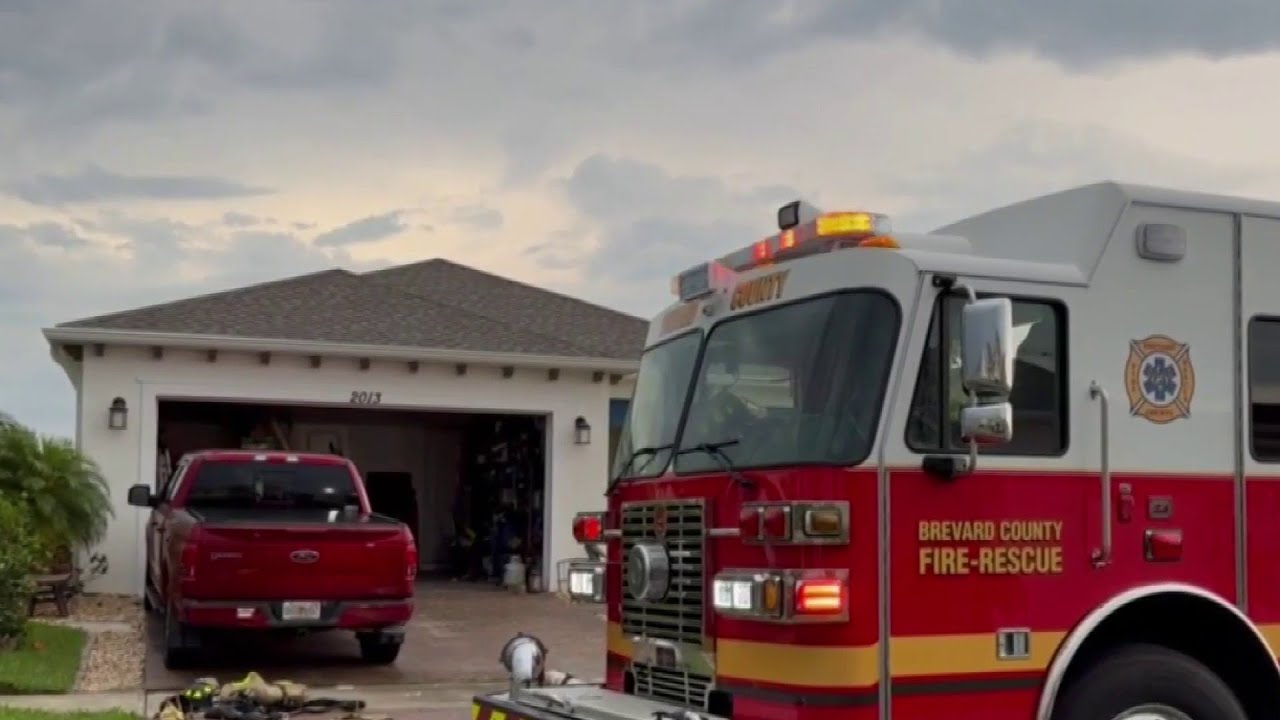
[{"x": 263, "y": 541}]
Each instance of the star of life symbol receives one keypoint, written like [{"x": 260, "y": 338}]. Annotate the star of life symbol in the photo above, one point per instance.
[{"x": 1160, "y": 379}]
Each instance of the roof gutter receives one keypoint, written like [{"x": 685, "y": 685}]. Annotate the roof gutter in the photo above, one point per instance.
[{"x": 92, "y": 336}]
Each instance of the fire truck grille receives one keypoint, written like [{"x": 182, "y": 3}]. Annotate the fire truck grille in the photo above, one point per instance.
[
  {"x": 673, "y": 686},
  {"x": 678, "y": 616}
]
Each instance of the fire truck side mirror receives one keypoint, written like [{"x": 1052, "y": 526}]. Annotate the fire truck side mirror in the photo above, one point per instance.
[{"x": 987, "y": 348}]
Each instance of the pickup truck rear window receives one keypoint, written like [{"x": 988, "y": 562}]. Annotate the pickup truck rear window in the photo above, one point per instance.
[{"x": 262, "y": 485}]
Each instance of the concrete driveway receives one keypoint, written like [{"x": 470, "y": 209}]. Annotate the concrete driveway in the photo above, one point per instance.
[{"x": 454, "y": 639}]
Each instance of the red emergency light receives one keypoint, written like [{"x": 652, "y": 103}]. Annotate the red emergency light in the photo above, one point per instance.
[{"x": 588, "y": 527}]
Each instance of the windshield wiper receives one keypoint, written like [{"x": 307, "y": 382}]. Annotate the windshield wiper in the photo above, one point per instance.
[
  {"x": 716, "y": 451},
  {"x": 647, "y": 451}
]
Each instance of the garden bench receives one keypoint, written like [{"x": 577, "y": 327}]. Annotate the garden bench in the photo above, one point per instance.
[{"x": 57, "y": 589}]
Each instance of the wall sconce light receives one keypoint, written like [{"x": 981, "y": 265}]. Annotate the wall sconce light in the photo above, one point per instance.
[
  {"x": 581, "y": 431},
  {"x": 118, "y": 414}
]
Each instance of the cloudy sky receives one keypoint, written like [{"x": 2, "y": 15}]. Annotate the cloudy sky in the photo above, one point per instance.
[{"x": 154, "y": 150}]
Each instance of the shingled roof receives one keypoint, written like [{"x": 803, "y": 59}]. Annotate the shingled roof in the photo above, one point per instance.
[{"x": 434, "y": 304}]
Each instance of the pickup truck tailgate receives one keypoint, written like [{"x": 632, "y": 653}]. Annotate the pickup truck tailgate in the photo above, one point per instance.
[{"x": 351, "y": 560}]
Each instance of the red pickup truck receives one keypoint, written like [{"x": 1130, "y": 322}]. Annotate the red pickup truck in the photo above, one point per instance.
[{"x": 248, "y": 540}]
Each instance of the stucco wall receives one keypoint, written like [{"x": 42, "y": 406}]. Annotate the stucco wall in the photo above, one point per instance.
[{"x": 575, "y": 476}]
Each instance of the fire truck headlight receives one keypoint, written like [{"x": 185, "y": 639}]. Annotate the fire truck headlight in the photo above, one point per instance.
[
  {"x": 790, "y": 596},
  {"x": 586, "y": 582},
  {"x": 732, "y": 594}
]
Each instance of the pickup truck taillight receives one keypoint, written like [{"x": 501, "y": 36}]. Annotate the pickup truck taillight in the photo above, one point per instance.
[
  {"x": 410, "y": 556},
  {"x": 190, "y": 557}
]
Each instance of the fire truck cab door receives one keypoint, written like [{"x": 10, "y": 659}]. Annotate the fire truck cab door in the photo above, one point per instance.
[
  {"x": 973, "y": 555},
  {"x": 990, "y": 570}
]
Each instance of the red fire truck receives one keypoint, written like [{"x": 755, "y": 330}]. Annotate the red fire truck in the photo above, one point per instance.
[{"x": 1021, "y": 467}]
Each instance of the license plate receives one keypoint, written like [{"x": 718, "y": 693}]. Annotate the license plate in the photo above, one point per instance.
[
  {"x": 666, "y": 658},
  {"x": 300, "y": 611}
]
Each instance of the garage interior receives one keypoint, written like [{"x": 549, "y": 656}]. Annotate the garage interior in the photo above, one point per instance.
[{"x": 466, "y": 483}]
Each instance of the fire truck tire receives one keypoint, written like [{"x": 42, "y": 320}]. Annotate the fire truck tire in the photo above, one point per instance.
[{"x": 1139, "y": 677}]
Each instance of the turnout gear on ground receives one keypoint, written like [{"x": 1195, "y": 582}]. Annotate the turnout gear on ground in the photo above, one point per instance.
[{"x": 252, "y": 698}]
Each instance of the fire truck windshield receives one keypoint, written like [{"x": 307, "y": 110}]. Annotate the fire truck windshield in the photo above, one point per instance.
[
  {"x": 648, "y": 437},
  {"x": 797, "y": 384}
]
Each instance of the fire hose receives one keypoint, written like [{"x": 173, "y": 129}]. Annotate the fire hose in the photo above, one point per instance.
[{"x": 252, "y": 698}]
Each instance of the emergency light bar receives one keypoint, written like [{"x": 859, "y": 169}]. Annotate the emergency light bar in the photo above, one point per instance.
[{"x": 804, "y": 230}]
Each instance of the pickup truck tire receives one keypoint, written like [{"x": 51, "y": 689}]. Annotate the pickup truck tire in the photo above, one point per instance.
[
  {"x": 376, "y": 651},
  {"x": 1140, "y": 677},
  {"x": 147, "y": 606},
  {"x": 178, "y": 650}
]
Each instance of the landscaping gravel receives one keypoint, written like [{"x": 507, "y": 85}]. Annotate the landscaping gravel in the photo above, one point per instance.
[{"x": 116, "y": 648}]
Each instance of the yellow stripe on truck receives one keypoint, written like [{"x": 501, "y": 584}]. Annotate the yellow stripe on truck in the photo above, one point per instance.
[
  {"x": 923, "y": 655},
  {"x": 855, "y": 666},
  {"x": 858, "y": 666},
  {"x": 801, "y": 665},
  {"x": 617, "y": 642},
  {"x": 1271, "y": 633}
]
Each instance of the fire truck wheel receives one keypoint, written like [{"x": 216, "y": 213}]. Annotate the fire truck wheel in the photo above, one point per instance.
[{"x": 1149, "y": 681}]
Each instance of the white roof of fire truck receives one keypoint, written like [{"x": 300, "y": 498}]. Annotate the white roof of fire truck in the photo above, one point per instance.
[{"x": 1058, "y": 237}]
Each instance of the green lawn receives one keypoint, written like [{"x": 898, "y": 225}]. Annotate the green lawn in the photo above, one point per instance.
[
  {"x": 47, "y": 663},
  {"x": 19, "y": 714}
]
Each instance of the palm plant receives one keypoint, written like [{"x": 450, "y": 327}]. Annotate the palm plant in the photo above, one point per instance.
[{"x": 62, "y": 490}]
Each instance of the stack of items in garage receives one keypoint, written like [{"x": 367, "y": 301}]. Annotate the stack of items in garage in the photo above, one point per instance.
[{"x": 500, "y": 501}]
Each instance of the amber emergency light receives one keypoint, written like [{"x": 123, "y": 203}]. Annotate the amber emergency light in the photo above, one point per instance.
[{"x": 802, "y": 230}]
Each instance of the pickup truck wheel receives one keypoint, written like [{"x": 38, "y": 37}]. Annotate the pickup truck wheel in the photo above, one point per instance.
[
  {"x": 177, "y": 648},
  {"x": 1148, "y": 681},
  {"x": 376, "y": 651}
]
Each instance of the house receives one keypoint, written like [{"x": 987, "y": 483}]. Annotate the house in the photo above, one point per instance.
[{"x": 454, "y": 390}]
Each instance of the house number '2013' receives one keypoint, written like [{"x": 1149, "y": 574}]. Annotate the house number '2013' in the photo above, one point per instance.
[{"x": 366, "y": 397}]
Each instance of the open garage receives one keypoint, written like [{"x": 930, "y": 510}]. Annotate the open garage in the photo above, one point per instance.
[
  {"x": 413, "y": 464},
  {"x": 459, "y": 394}
]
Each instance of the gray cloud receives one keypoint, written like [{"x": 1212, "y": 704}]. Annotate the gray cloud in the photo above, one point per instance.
[
  {"x": 726, "y": 34},
  {"x": 94, "y": 65},
  {"x": 43, "y": 288},
  {"x": 78, "y": 61},
  {"x": 47, "y": 234},
  {"x": 94, "y": 184},
  {"x": 608, "y": 188},
  {"x": 649, "y": 224},
  {"x": 365, "y": 230},
  {"x": 1037, "y": 158},
  {"x": 1085, "y": 34},
  {"x": 478, "y": 217},
  {"x": 234, "y": 219}
]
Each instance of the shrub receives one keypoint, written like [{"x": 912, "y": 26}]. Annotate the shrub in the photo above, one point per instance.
[
  {"x": 18, "y": 553},
  {"x": 60, "y": 489}
]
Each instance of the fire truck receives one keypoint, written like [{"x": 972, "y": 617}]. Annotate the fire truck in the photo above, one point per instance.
[{"x": 1026, "y": 466}]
